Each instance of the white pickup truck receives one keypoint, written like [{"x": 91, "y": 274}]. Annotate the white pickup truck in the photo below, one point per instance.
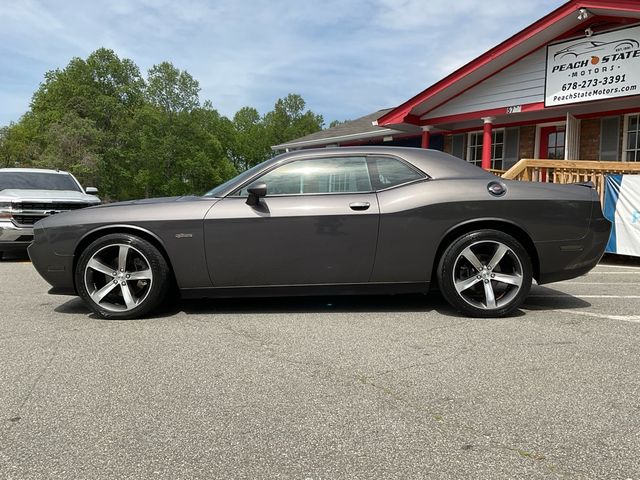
[{"x": 30, "y": 194}]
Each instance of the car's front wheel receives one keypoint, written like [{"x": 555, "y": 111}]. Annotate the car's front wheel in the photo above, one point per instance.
[
  {"x": 485, "y": 273},
  {"x": 122, "y": 276}
]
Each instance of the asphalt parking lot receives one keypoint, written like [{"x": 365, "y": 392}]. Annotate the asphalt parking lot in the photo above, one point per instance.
[{"x": 325, "y": 388}]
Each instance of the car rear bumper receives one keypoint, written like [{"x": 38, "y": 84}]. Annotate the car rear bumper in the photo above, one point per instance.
[
  {"x": 14, "y": 238},
  {"x": 564, "y": 260},
  {"x": 56, "y": 269}
]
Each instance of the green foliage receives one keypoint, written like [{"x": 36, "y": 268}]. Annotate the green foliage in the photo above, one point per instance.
[
  {"x": 250, "y": 141},
  {"x": 335, "y": 123},
  {"x": 71, "y": 144},
  {"x": 171, "y": 89},
  {"x": 141, "y": 137},
  {"x": 16, "y": 145},
  {"x": 288, "y": 120}
]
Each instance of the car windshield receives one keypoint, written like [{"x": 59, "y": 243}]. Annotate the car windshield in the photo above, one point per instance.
[
  {"x": 37, "y": 181},
  {"x": 220, "y": 189}
]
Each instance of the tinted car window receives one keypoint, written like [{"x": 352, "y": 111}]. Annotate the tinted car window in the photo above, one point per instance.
[
  {"x": 318, "y": 175},
  {"x": 37, "y": 181},
  {"x": 388, "y": 172}
]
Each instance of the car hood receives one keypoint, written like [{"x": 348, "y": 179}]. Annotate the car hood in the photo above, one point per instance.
[
  {"x": 148, "y": 201},
  {"x": 47, "y": 195},
  {"x": 134, "y": 212}
]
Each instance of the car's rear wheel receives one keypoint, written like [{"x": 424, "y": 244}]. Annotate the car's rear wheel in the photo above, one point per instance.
[
  {"x": 122, "y": 276},
  {"x": 485, "y": 273}
]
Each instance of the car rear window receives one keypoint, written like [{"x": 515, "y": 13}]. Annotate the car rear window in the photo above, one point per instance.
[
  {"x": 37, "y": 181},
  {"x": 389, "y": 172}
]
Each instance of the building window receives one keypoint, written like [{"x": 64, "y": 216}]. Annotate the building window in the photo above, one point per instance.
[
  {"x": 610, "y": 139},
  {"x": 631, "y": 146},
  {"x": 555, "y": 146},
  {"x": 457, "y": 145},
  {"x": 474, "y": 150}
]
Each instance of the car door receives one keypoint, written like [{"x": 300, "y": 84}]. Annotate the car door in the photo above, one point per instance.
[{"x": 317, "y": 224}]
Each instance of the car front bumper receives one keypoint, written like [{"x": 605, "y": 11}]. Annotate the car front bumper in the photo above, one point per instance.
[
  {"x": 56, "y": 269},
  {"x": 14, "y": 238}
]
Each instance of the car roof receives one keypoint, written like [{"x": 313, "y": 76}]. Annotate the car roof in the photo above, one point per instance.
[{"x": 33, "y": 170}]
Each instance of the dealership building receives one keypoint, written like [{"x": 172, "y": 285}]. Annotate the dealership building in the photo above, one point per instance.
[{"x": 566, "y": 87}]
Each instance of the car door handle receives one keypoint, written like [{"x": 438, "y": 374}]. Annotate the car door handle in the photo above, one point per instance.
[{"x": 360, "y": 205}]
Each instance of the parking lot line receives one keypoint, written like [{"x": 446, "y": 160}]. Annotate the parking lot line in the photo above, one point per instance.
[
  {"x": 624, "y": 318},
  {"x": 565, "y": 295},
  {"x": 569, "y": 282},
  {"x": 606, "y": 265},
  {"x": 598, "y": 272}
]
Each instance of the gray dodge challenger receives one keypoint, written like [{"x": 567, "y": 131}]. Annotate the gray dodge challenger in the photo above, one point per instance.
[{"x": 369, "y": 220}]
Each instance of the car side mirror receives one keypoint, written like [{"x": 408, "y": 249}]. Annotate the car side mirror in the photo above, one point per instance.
[
  {"x": 256, "y": 191},
  {"x": 91, "y": 190}
]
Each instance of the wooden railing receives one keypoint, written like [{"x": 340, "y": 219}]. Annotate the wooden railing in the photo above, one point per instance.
[{"x": 568, "y": 171}]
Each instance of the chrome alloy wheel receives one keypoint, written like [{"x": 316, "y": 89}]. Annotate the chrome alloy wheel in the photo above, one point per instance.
[
  {"x": 118, "y": 277},
  {"x": 487, "y": 274}
]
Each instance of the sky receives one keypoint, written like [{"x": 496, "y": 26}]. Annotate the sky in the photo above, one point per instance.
[{"x": 346, "y": 58}]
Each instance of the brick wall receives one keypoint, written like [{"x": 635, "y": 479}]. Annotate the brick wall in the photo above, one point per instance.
[
  {"x": 527, "y": 142},
  {"x": 590, "y": 139},
  {"x": 448, "y": 140}
]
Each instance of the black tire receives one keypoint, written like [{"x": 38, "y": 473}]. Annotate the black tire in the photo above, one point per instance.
[
  {"x": 464, "y": 284},
  {"x": 142, "y": 259}
]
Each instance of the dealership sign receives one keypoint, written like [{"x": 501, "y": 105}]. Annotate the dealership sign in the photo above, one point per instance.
[{"x": 594, "y": 68}]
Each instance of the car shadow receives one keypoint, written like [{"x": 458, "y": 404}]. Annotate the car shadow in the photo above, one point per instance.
[
  {"x": 543, "y": 298},
  {"x": 73, "y": 306},
  {"x": 546, "y": 298},
  {"x": 614, "y": 259},
  {"x": 17, "y": 256},
  {"x": 334, "y": 304},
  {"x": 340, "y": 304}
]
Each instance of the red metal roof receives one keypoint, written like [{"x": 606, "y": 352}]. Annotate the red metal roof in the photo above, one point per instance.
[{"x": 506, "y": 53}]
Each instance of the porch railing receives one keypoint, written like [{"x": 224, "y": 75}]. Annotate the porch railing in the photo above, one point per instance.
[{"x": 568, "y": 171}]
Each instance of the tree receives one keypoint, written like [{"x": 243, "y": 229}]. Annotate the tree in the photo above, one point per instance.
[
  {"x": 253, "y": 135},
  {"x": 175, "y": 155},
  {"x": 103, "y": 88},
  {"x": 16, "y": 146},
  {"x": 289, "y": 120},
  {"x": 72, "y": 144},
  {"x": 251, "y": 142},
  {"x": 99, "y": 94},
  {"x": 335, "y": 123},
  {"x": 171, "y": 89}
]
